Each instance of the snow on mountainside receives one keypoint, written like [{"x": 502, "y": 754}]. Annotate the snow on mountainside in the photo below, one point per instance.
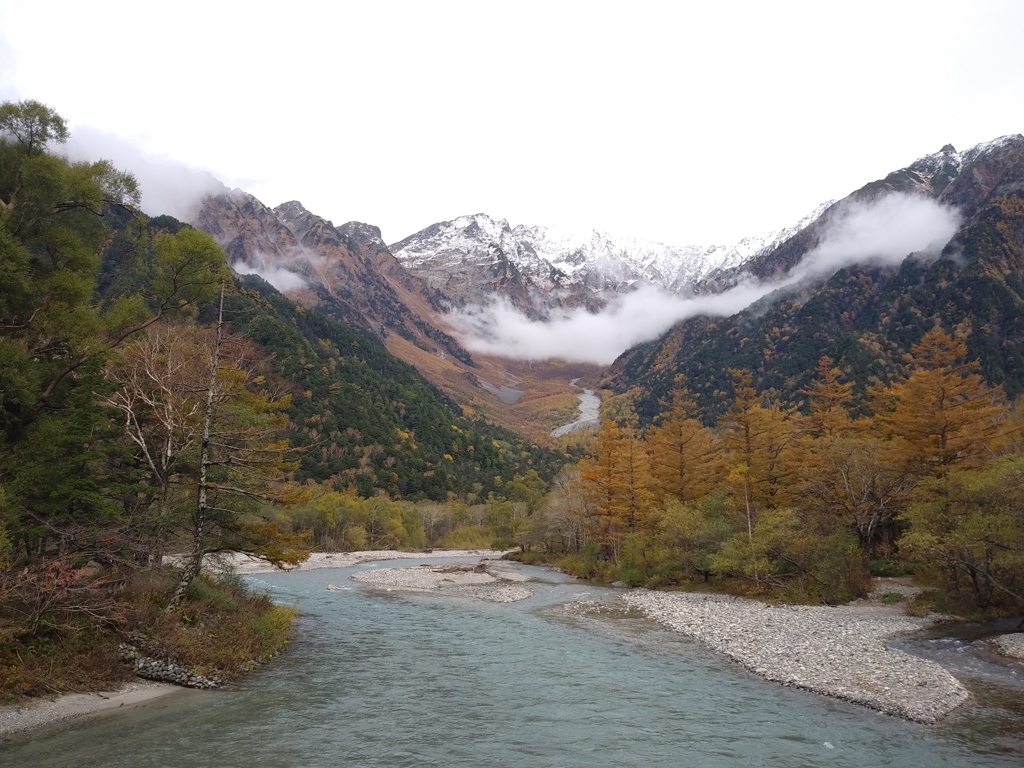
[
  {"x": 930, "y": 174},
  {"x": 472, "y": 258}
]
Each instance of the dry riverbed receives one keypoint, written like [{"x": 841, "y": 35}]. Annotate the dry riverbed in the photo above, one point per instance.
[
  {"x": 493, "y": 580},
  {"x": 1010, "y": 645}
]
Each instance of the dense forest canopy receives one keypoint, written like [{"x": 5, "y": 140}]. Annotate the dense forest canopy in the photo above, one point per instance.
[{"x": 918, "y": 477}]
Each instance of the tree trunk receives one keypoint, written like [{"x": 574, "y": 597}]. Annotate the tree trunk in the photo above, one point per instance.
[{"x": 199, "y": 528}]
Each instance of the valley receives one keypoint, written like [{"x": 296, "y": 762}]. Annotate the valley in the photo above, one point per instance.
[{"x": 784, "y": 419}]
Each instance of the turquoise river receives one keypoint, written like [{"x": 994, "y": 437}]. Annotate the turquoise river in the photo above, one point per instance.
[{"x": 377, "y": 678}]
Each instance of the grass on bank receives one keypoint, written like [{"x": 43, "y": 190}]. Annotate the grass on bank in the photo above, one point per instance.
[{"x": 221, "y": 630}]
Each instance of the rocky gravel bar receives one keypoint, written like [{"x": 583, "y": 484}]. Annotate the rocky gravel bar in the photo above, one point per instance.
[
  {"x": 1010, "y": 645},
  {"x": 835, "y": 651},
  {"x": 493, "y": 581}
]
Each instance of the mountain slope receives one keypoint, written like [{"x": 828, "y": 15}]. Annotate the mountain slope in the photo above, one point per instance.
[
  {"x": 346, "y": 272},
  {"x": 865, "y": 315}
]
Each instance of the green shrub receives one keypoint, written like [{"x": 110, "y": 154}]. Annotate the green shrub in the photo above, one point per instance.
[
  {"x": 273, "y": 628},
  {"x": 202, "y": 590},
  {"x": 530, "y": 557}
]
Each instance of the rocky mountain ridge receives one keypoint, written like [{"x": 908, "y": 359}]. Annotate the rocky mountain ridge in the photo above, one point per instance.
[
  {"x": 474, "y": 258},
  {"x": 864, "y": 316},
  {"x": 345, "y": 271}
]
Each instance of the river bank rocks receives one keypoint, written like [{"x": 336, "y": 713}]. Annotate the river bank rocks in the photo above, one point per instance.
[
  {"x": 494, "y": 581},
  {"x": 835, "y": 651},
  {"x": 164, "y": 670}
]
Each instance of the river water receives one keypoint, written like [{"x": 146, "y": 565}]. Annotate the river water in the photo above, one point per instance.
[{"x": 378, "y": 678}]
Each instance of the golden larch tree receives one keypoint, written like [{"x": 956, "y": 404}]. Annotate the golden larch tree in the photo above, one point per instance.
[
  {"x": 617, "y": 483},
  {"x": 941, "y": 415},
  {"x": 686, "y": 458}
]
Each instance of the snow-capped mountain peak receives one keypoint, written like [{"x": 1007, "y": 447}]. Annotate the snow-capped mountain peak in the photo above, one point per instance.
[{"x": 542, "y": 268}]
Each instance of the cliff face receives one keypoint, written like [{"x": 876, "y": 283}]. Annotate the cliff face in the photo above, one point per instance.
[{"x": 346, "y": 272}]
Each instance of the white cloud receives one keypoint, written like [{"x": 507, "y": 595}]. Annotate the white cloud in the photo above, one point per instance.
[
  {"x": 651, "y": 122},
  {"x": 885, "y": 230},
  {"x": 283, "y": 279},
  {"x": 167, "y": 187},
  {"x": 580, "y": 336}
]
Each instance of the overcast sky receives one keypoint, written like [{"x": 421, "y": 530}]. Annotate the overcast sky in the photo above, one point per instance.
[{"x": 680, "y": 122}]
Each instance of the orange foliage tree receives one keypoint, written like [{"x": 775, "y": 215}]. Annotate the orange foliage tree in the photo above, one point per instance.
[
  {"x": 941, "y": 415},
  {"x": 686, "y": 457},
  {"x": 617, "y": 482}
]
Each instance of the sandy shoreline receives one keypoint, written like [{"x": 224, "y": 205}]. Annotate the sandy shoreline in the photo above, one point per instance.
[{"x": 39, "y": 713}]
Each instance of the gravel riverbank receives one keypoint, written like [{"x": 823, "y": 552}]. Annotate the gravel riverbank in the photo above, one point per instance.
[
  {"x": 244, "y": 564},
  {"x": 836, "y": 651},
  {"x": 493, "y": 580}
]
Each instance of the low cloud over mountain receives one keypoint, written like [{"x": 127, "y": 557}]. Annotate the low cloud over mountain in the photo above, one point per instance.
[{"x": 885, "y": 230}]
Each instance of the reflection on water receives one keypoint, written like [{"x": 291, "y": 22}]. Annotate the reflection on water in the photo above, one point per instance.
[{"x": 393, "y": 679}]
